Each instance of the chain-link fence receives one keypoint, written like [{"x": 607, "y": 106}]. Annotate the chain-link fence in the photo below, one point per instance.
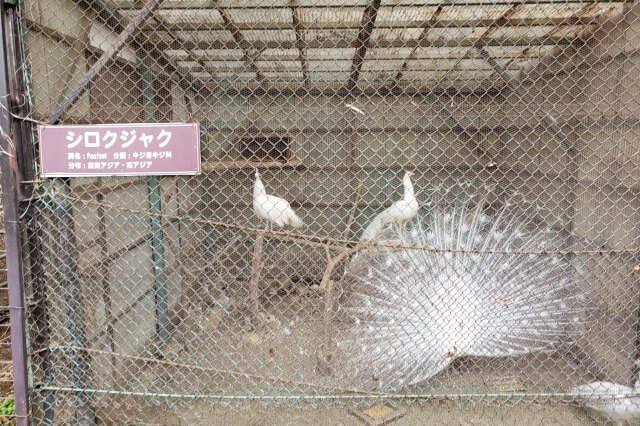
[
  {"x": 7, "y": 407},
  {"x": 462, "y": 191}
]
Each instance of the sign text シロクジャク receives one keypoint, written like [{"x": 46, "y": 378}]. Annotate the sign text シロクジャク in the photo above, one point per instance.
[{"x": 119, "y": 149}]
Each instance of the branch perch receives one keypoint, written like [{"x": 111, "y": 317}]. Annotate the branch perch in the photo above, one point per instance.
[
  {"x": 256, "y": 264},
  {"x": 324, "y": 355}
]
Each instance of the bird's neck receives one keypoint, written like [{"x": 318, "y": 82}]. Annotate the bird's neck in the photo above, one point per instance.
[
  {"x": 258, "y": 188},
  {"x": 408, "y": 189}
]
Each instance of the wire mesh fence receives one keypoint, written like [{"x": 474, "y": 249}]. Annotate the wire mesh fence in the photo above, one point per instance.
[
  {"x": 7, "y": 410},
  {"x": 412, "y": 203}
]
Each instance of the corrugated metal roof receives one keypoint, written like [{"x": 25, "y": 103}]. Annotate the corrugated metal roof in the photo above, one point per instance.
[{"x": 318, "y": 40}]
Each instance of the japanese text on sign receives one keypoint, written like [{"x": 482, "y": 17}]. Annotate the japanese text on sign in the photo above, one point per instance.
[{"x": 121, "y": 149}]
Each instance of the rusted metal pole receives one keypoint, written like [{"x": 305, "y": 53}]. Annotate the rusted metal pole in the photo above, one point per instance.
[
  {"x": 13, "y": 236},
  {"x": 26, "y": 172},
  {"x": 155, "y": 203},
  {"x": 104, "y": 274},
  {"x": 40, "y": 313},
  {"x": 14, "y": 276},
  {"x": 74, "y": 306}
]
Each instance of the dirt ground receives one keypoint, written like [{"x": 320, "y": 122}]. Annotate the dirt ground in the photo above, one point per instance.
[
  {"x": 431, "y": 413},
  {"x": 6, "y": 372}
]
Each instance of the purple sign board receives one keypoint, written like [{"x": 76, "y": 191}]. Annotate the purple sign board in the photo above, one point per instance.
[{"x": 137, "y": 149}]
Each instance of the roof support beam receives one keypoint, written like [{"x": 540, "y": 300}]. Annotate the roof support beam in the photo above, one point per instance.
[
  {"x": 364, "y": 35},
  {"x": 122, "y": 39},
  {"x": 451, "y": 87},
  {"x": 75, "y": 55},
  {"x": 490, "y": 29},
  {"x": 380, "y": 44},
  {"x": 110, "y": 17},
  {"x": 436, "y": 56},
  {"x": 297, "y": 25},
  {"x": 191, "y": 56},
  {"x": 547, "y": 120},
  {"x": 283, "y": 69},
  {"x": 423, "y": 36},
  {"x": 334, "y": 25},
  {"x": 208, "y": 5},
  {"x": 249, "y": 56},
  {"x": 577, "y": 15}
]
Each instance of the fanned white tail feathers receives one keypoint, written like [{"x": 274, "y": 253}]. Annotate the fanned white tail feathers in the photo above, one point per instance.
[{"x": 412, "y": 312}]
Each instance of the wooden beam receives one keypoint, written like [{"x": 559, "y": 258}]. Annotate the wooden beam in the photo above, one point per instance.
[
  {"x": 423, "y": 36},
  {"x": 70, "y": 64},
  {"x": 515, "y": 53},
  {"x": 589, "y": 7},
  {"x": 548, "y": 121},
  {"x": 362, "y": 88},
  {"x": 87, "y": 81},
  {"x": 489, "y": 30},
  {"x": 71, "y": 41},
  {"x": 209, "y": 5},
  {"x": 341, "y": 25},
  {"x": 362, "y": 42},
  {"x": 190, "y": 55},
  {"x": 67, "y": 39},
  {"x": 428, "y": 73},
  {"x": 445, "y": 129},
  {"x": 302, "y": 57},
  {"x": 110, "y": 17},
  {"x": 342, "y": 43},
  {"x": 241, "y": 43},
  {"x": 106, "y": 14}
]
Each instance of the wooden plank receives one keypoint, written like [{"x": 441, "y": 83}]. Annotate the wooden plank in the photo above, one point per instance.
[
  {"x": 70, "y": 65},
  {"x": 190, "y": 54},
  {"x": 111, "y": 18},
  {"x": 423, "y": 36},
  {"x": 339, "y": 25},
  {"x": 513, "y": 53},
  {"x": 207, "y": 5},
  {"x": 362, "y": 42},
  {"x": 243, "y": 164},
  {"x": 299, "y": 29},
  {"x": 449, "y": 86},
  {"x": 577, "y": 15},
  {"x": 67, "y": 39},
  {"x": 283, "y": 70},
  {"x": 489, "y": 30},
  {"x": 342, "y": 43},
  {"x": 240, "y": 42}
]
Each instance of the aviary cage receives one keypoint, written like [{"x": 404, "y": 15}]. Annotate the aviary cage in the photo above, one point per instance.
[{"x": 167, "y": 300}]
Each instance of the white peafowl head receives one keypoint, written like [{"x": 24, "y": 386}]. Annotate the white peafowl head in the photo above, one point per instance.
[
  {"x": 408, "y": 186},
  {"x": 258, "y": 186}
]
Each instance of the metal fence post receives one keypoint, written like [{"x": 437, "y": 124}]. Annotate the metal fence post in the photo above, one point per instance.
[
  {"x": 68, "y": 269},
  {"x": 13, "y": 237},
  {"x": 157, "y": 240}
]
